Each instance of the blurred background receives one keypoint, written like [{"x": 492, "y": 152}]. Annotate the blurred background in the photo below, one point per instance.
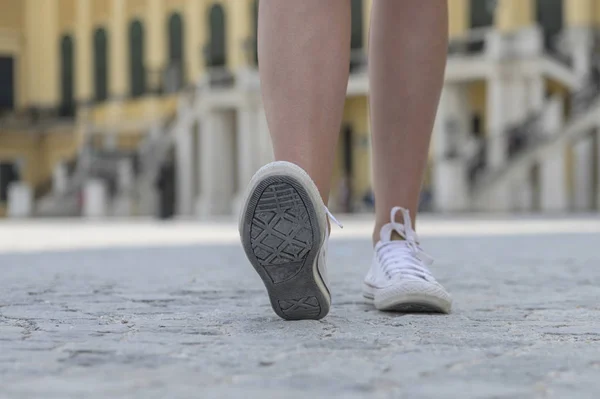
[{"x": 152, "y": 108}]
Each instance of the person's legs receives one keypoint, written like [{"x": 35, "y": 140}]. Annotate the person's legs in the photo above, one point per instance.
[
  {"x": 304, "y": 53},
  {"x": 407, "y": 54}
]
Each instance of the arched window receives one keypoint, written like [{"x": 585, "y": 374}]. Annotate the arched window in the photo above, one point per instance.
[
  {"x": 67, "y": 95},
  {"x": 481, "y": 16},
  {"x": 100, "y": 65},
  {"x": 176, "y": 52},
  {"x": 217, "y": 55},
  {"x": 9, "y": 173},
  {"x": 356, "y": 35},
  {"x": 482, "y": 13},
  {"x": 356, "y": 40},
  {"x": 7, "y": 83},
  {"x": 549, "y": 15},
  {"x": 137, "y": 72},
  {"x": 255, "y": 30}
]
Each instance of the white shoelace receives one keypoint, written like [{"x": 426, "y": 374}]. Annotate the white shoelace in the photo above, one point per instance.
[
  {"x": 333, "y": 219},
  {"x": 403, "y": 258}
]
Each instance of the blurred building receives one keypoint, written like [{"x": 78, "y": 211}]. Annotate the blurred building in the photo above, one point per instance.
[
  {"x": 518, "y": 122},
  {"x": 104, "y": 101}
]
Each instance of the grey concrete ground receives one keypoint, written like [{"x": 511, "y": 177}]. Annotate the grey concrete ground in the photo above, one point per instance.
[{"x": 192, "y": 320}]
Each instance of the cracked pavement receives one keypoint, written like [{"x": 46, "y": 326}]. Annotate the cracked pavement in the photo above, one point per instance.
[{"x": 189, "y": 320}]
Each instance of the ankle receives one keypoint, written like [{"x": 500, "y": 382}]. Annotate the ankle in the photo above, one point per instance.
[
  {"x": 377, "y": 230},
  {"x": 395, "y": 226},
  {"x": 376, "y": 235}
]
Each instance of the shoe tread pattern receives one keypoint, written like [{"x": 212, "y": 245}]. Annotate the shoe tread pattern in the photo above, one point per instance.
[
  {"x": 281, "y": 232},
  {"x": 302, "y": 308},
  {"x": 282, "y": 238}
]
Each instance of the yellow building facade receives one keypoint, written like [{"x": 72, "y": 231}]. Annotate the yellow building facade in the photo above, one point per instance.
[
  {"x": 101, "y": 66},
  {"x": 75, "y": 69}
]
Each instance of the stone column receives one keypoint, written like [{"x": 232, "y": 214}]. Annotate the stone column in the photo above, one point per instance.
[
  {"x": 583, "y": 194},
  {"x": 520, "y": 193},
  {"x": 83, "y": 51},
  {"x": 516, "y": 99},
  {"x": 184, "y": 163},
  {"x": 247, "y": 150},
  {"x": 498, "y": 96},
  {"x": 60, "y": 179},
  {"x": 265, "y": 146},
  {"x": 452, "y": 127},
  {"x": 217, "y": 164},
  {"x": 119, "y": 54},
  {"x": 535, "y": 103},
  {"x": 516, "y": 113},
  {"x": 198, "y": 146},
  {"x": 553, "y": 177},
  {"x": 580, "y": 44},
  {"x": 496, "y": 122},
  {"x": 95, "y": 199},
  {"x": 536, "y": 93},
  {"x": 553, "y": 190},
  {"x": 522, "y": 196},
  {"x": 125, "y": 175},
  {"x": 20, "y": 200},
  {"x": 122, "y": 205}
]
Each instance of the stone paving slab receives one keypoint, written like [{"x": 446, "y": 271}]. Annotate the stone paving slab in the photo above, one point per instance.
[{"x": 193, "y": 321}]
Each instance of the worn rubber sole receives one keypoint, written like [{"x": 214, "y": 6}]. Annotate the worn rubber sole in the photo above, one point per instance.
[
  {"x": 434, "y": 301},
  {"x": 282, "y": 237}
]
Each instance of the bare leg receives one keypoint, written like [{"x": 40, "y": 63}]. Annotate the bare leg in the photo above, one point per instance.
[
  {"x": 408, "y": 43},
  {"x": 304, "y": 53}
]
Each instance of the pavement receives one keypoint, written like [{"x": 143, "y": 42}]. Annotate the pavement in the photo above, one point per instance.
[{"x": 141, "y": 309}]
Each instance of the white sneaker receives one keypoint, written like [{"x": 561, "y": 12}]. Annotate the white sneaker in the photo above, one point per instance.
[
  {"x": 399, "y": 279},
  {"x": 283, "y": 228}
]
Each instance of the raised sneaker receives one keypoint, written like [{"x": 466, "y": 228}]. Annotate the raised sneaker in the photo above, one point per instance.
[{"x": 284, "y": 230}]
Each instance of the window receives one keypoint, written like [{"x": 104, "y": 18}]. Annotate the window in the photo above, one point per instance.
[
  {"x": 255, "y": 30},
  {"x": 137, "y": 72},
  {"x": 175, "y": 71},
  {"x": 347, "y": 142},
  {"x": 356, "y": 40},
  {"x": 476, "y": 126},
  {"x": 67, "y": 95},
  {"x": 356, "y": 35},
  {"x": 6, "y": 83},
  {"x": 217, "y": 56},
  {"x": 100, "y": 65},
  {"x": 481, "y": 16},
  {"x": 482, "y": 13},
  {"x": 8, "y": 175},
  {"x": 549, "y": 15}
]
